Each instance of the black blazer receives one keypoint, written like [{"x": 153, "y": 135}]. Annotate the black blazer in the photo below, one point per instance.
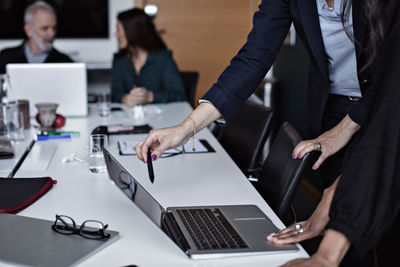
[
  {"x": 270, "y": 26},
  {"x": 17, "y": 55}
]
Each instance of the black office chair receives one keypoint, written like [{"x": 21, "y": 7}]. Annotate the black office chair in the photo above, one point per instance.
[
  {"x": 245, "y": 135},
  {"x": 190, "y": 79},
  {"x": 280, "y": 174}
]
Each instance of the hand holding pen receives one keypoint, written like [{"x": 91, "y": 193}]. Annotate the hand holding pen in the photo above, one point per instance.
[{"x": 150, "y": 166}]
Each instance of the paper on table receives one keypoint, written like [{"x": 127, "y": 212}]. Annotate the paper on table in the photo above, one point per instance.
[{"x": 128, "y": 147}]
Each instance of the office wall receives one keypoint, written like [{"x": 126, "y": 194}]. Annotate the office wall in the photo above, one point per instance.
[{"x": 204, "y": 34}]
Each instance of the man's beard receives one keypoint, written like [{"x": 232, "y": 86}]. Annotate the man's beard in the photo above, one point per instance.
[{"x": 41, "y": 45}]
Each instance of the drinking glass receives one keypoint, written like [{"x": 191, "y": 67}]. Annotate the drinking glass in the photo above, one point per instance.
[
  {"x": 96, "y": 157},
  {"x": 4, "y": 87},
  {"x": 3, "y": 126},
  {"x": 23, "y": 106},
  {"x": 138, "y": 114},
  {"x": 104, "y": 104},
  {"x": 13, "y": 120}
]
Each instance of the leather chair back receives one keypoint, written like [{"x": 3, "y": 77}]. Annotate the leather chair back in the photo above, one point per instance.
[
  {"x": 280, "y": 174},
  {"x": 190, "y": 79},
  {"x": 245, "y": 135}
]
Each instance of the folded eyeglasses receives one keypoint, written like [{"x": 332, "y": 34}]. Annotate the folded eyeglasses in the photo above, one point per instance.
[{"x": 90, "y": 229}]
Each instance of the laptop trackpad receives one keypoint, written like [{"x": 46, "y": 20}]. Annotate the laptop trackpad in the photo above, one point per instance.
[{"x": 254, "y": 226}]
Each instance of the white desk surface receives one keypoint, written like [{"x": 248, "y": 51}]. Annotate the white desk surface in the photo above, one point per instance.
[{"x": 190, "y": 179}]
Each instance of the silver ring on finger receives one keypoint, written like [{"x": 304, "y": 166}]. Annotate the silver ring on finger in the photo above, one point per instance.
[
  {"x": 298, "y": 229},
  {"x": 318, "y": 146}
]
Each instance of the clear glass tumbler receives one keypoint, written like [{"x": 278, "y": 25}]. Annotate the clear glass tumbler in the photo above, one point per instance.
[
  {"x": 13, "y": 120},
  {"x": 104, "y": 104},
  {"x": 96, "y": 157}
]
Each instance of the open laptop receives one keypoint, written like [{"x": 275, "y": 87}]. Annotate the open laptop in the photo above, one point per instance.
[
  {"x": 62, "y": 83},
  {"x": 202, "y": 232}
]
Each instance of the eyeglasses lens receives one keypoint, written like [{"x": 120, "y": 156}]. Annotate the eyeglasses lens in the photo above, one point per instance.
[
  {"x": 92, "y": 229},
  {"x": 65, "y": 225}
]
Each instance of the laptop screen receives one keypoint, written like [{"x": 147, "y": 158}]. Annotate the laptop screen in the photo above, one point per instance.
[
  {"x": 132, "y": 189},
  {"x": 61, "y": 83}
]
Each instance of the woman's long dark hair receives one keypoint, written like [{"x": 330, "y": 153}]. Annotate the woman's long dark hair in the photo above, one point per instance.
[
  {"x": 140, "y": 31},
  {"x": 377, "y": 16}
]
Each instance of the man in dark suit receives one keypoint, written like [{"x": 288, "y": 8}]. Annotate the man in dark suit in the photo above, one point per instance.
[{"x": 40, "y": 27}]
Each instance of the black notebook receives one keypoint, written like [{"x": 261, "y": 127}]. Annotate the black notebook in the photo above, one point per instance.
[
  {"x": 122, "y": 129},
  {"x": 18, "y": 193}
]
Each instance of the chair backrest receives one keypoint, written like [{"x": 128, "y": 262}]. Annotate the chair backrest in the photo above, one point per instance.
[
  {"x": 280, "y": 174},
  {"x": 245, "y": 135},
  {"x": 189, "y": 79}
]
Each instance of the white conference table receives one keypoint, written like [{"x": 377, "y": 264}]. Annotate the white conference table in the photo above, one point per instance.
[{"x": 189, "y": 179}]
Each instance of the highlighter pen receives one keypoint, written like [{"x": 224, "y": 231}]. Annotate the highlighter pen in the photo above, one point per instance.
[
  {"x": 150, "y": 166},
  {"x": 49, "y": 137},
  {"x": 74, "y": 133}
]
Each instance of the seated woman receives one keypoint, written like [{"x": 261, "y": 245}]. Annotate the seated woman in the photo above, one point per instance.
[{"x": 143, "y": 70}]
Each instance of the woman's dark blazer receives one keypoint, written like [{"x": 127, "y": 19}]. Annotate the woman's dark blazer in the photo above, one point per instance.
[{"x": 270, "y": 27}]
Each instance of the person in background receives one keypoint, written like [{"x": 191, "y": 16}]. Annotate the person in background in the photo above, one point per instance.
[
  {"x": 40, "y": 26},
  {"x": 143, "y": 70},
  {"x": 361, "y": 209}
]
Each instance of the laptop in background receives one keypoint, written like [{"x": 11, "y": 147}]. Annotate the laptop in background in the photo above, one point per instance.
[
  {"x": 62, "y": 83},
  {"x": 202, "y": 232}
]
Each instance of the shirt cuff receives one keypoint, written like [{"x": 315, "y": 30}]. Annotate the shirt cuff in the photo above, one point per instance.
[{"x": 220, "y": 120}]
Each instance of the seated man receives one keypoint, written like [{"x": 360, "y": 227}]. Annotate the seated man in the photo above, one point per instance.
[{"x": 40, "y": 28}]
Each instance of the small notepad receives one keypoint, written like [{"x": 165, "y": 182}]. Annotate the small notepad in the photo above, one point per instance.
[{"x": 200, "y": 145}]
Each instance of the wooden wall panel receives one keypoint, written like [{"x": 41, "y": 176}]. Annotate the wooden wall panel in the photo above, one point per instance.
[{"x": 204, "y": 34}]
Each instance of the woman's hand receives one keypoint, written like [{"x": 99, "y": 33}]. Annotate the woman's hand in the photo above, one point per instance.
[
  {"x": 137, "y": 96},
  {"x": 331, "y": 251},
  {"x": 162, "y": 139},
  {"x": 313, "y": 227},
  {"x": 315, "y": 260},
  {"x": 329, "y": 142}
]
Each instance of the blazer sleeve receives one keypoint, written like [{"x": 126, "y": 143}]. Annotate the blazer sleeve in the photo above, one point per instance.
[
  {"x": 367, "y": 198},
  {"x": 271, "y": 24},
  {"x": 171, "y": 82},
  {"x": 357, "y": 111}
]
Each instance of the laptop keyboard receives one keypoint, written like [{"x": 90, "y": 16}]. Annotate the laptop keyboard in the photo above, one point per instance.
[{"x": 210, "y": 229}]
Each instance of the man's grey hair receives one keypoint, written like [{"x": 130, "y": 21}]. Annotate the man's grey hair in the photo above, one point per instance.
[{"x": 38, "y": 5}]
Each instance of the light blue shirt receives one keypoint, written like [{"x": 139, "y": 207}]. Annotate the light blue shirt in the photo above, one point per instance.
[
  {"x": 34, "y": 58},
  {"x": 339, "y": 50}
]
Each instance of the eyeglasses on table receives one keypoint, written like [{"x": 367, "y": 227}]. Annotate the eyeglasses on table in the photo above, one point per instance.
[{"x": 91, "y": 229}]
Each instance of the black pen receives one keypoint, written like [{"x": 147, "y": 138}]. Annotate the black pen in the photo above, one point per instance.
[{"x": 150, "y": 166}]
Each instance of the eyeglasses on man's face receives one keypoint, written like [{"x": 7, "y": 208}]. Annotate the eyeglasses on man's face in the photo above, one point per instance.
[{"x": 90, "y": 229}]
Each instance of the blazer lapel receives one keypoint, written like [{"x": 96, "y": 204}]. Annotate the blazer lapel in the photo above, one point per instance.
[
  {"x": 359, "y": 25},
  {"x": 309, "y": 16}
]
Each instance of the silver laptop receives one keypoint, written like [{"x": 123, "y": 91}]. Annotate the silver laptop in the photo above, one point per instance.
[
  {"x": 202, "y": 232},
  {"x": 27, "y": 241},
  {"x": 62, "y": 83}
]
